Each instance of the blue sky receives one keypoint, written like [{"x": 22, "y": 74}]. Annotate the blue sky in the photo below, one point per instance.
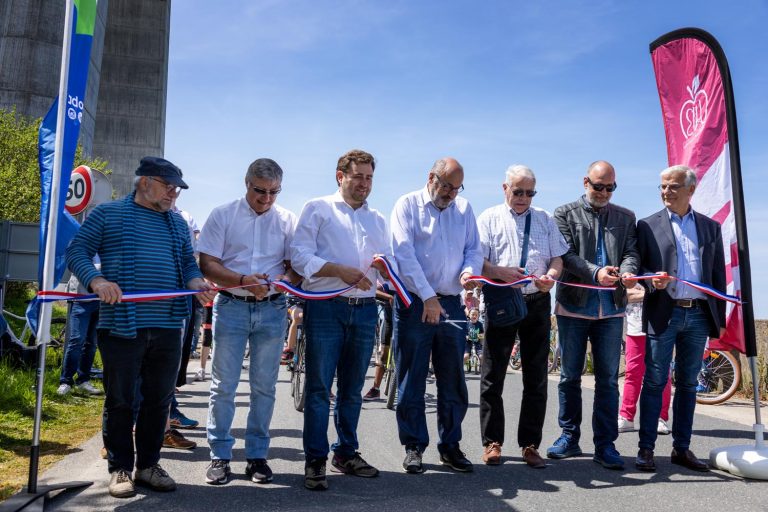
[{"x": 552, "y": 85}]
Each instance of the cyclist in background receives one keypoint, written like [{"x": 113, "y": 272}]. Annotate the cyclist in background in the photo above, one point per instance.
[
  {"x": 385, "y": 336},
  {"x": 475, "y": 334}
]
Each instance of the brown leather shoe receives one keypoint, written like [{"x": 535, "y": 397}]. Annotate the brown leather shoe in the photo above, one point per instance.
[
  {"x": 644, "y": 460},
  {"x": 688, "y": 459},
  {"x": 174, "y": 439},
  {"x": 492, "y": 454},
  {"x": 532, "y": 458}
]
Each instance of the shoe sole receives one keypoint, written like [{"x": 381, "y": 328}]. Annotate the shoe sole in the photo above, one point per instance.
[
  {"x": 574, "y": 453},
  {"x": 493, "y": 462},
  {"x": 261, "y": 480},
  {"x": 414, "y": 471},
  {"x": 371, "y": 399},
  {"x": 606, "y": 465},
  {"x": 129, "y": 494},
  {"x": 316, "y": 486},
  {"x": 345, "y": 471},
  {"x": 218, "y": 481},
  {"x": 645, "y": 469},
  {"x": 154, "y": 488},
  {"x": 460, "y": 470},
  {"x": 187, "y": 427}
]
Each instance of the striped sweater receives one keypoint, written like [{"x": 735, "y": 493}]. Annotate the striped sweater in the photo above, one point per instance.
[{"x": 140, "y": 249}]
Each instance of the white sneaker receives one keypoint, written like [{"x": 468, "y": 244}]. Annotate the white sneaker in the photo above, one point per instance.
[
  {"x": 200, "y": 375},
  {"x": 63, "y": 389},
  {"x": 88, "y": 388},
  {"x": 626, "y": 425},
  {"x": 662, "y": 427}
]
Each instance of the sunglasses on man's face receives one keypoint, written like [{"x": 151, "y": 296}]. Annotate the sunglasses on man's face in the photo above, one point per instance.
[
  {"x": 599, "y": 187},
  {"x": 518, "y": 192}
]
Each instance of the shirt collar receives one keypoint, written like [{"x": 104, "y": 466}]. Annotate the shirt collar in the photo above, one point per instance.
[
  {"x": 247, "y": 207},
  {"x": 515, "y": 214},
  {"x": 337, "y": 198},
  {"x": 673, "y": 216},
  {"x": 585, "y": 204}
]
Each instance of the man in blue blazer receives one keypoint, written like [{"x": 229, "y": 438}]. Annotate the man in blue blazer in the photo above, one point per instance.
[{"x": 677, "y": 242}]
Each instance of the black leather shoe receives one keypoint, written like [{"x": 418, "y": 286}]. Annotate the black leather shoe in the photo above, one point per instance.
[
  {"x": 688, "y": 459},
  {"x": 644, "y": 460},
  {"x": 456, "y": 460}
]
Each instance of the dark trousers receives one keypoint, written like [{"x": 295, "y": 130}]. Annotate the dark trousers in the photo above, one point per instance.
[
  {"x": 534, "y": 332},
  {"x": 152, "y": 356}
]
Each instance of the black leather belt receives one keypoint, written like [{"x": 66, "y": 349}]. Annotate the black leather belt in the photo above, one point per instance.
[
  {"x": 690, "y": 303},
  {"x": 531, "y": 297},
  {"x": 250, "y": 298},
  {"x": 441, "y": 296},
  {"x": 355, "y": 301}
]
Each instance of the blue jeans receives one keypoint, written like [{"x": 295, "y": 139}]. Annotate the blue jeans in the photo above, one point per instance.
[
  {"x": 262, "y": 325},
  {"x": 414, "y": 341},
  {"x": 152, "y": 357},
  {"x": 339, "y": 341},
  {"x": 605, "y": 337},
  {"x": 686, "y": 334},
  {"x": 81, "y": 342}
]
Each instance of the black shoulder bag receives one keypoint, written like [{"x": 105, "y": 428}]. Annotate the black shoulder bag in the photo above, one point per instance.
[{"x": 504, "y": 306}]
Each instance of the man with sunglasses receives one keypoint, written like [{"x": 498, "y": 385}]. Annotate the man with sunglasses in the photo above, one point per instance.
[
  {"x": 142, "y": 246},
  {"x": 244, "y": 244},
  {"x": 602, "y": 251},
  {"x": 517, "y": 240},
  {"x": 437, "y": 248}
]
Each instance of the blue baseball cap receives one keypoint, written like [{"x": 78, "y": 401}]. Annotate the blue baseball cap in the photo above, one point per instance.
[{"x": 162, "y": 168}]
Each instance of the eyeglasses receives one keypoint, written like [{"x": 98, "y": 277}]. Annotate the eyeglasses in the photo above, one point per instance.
[
  {"x": 176, "y": 190},
  {"x": 263, "y": 192},
  {"x": 599, "y": 187},
  {"x": 674, "y": 187},
  {"x": 518, "y": 192},
  {"x": 447, "y": 187}
]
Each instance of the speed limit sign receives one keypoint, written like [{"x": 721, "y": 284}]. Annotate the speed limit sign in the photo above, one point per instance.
[{"x": 80, "y": 190}]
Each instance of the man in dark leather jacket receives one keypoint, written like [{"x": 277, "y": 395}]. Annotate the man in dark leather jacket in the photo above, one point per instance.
[{"x": 603, "y": 251}]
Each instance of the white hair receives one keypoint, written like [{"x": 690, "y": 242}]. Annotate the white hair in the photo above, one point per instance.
[
  {"x": 690, "y": 176},
  {"x": 514, "y": 171}
]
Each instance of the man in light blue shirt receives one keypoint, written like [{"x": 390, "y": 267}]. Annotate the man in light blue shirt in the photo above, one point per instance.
[{"x": 437, "y": 247}]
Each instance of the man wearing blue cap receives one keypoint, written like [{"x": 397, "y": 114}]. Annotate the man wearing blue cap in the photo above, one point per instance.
[{"x": 142, "y": 246}]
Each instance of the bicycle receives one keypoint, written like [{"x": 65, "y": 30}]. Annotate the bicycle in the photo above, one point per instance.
[
  {"x": 297, "y": 369},
  {"x": 390, "y": 381},
  {"x": 472, "y": 364},
  {"x": 719, "y": 378},
  {"x": 515, "y": 361}
]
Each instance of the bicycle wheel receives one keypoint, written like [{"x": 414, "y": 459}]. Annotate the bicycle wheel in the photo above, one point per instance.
[
  {"x": 516, "y": 362},
  {"x": 58, "y": 332},
  {"x": 475, "y": 363},
  {"x": 298, "y": 373},
  {"x": 391, "y": 388},
  {"x": 719, "y": 378},
  {"x": 552, "y": 360}
]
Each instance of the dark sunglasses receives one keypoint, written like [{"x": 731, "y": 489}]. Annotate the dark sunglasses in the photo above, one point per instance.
[
  {"x": 597, "y": 187},
  {"x": 263, "y": 192},
  {"x": 520, "y": 193}
]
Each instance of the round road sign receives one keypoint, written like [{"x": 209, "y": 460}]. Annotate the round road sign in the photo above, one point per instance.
[{"x": 80, "y": 190}]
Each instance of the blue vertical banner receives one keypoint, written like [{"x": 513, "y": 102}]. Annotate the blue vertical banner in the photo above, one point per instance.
[{"x": 76, "y": 68}]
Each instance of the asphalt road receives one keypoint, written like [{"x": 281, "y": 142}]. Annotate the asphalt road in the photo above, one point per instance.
[{"x": 568, "y": 485}]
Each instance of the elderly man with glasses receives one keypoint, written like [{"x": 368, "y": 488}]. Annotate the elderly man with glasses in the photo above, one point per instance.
[
  {"x": 518, "y": 240},
  {"x": 602, "y": 252},
  {"x": 142, "y": 246},
  {"x": 437, "y": 248},
  {"x": 244, "y": 244}
]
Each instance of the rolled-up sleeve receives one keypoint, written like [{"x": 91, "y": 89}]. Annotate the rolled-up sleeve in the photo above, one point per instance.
[{"x": 473, "y": 253}]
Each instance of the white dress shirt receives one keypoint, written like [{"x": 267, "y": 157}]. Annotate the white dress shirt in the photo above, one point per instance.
[
  {"x": 434, "y": 247},
  {"x": 331, "y": 231},
  {"x": 247, "y": 242},
  {"x": 501, "y": 239}
]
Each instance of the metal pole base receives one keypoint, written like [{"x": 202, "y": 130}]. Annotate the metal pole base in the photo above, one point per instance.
[
  {"x": 747, "y": 461},
  {"x": 29, "y": 501}
]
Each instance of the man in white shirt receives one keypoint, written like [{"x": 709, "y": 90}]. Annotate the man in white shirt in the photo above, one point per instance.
[
  {"x": 336, "y": 239},
  {"x": 517, "y": 240},
  {"x": 246, "y": 242},
  {"x": 437, "y": 248}
]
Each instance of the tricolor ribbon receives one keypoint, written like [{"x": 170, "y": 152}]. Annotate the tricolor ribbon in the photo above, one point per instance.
[
  {"x": 704, "y": 288},
  {"x": 149, "y": 295},
  {"x": 531, "y": 277}
]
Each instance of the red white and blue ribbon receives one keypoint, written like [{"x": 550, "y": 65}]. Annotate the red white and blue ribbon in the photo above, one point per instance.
[
  {"x": 529, "y": 278},
  {"x": 150, "y": 295},
  {"x": 704, "y": 288}
]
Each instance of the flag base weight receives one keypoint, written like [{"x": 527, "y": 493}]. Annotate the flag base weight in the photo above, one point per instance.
[
  {"x": 29, "y": 501},
  {"x": 747, "y": 461}
]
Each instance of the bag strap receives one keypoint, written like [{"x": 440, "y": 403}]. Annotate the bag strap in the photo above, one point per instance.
[{"x": 526, "y": 237}]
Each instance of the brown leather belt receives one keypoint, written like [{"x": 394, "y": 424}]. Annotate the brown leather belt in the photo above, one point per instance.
[{"x": 690, "y": 303}]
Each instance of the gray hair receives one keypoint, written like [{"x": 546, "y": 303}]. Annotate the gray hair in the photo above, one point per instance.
[
  {"x": 690, "y": 176},
  {"x": 518, "y": 170},
  {"x": 265, "y": 168},
  {"x": 439, "y": 166},
  {"x": 136, "y": 181}
]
